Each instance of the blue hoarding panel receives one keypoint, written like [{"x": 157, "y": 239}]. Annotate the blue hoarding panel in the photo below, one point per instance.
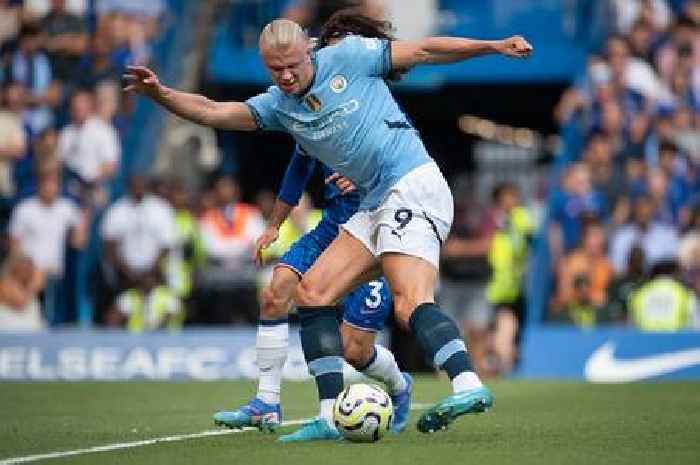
[
  {"x": 609, "y": 355},
  {"x": 119, "y": 356}
]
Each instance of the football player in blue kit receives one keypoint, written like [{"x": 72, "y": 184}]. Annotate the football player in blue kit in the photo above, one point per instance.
[{"x": 336, "y": 104}]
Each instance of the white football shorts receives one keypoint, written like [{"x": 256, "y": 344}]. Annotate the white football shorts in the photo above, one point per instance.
[{"x": 414, "y": 219}]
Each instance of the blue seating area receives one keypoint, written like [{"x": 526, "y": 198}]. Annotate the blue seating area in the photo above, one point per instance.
[{"x": 560, "y": 32}]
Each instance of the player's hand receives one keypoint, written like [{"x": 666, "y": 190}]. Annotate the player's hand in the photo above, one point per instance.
[
  {"x": 516, "y": 47},
  {"x": 268, "y": 237},
  {"x": 341, "y": 182},
  {"x": 142, "y": 80}
]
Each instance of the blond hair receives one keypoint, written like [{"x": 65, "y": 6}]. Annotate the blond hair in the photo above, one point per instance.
[{"x": 281, "y": 34}]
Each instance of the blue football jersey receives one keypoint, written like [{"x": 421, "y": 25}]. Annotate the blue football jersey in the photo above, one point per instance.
[{"x": 348, "y": 119}]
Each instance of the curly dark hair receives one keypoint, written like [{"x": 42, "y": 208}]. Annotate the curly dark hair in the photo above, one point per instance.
[{"x": 351, "y": 21}]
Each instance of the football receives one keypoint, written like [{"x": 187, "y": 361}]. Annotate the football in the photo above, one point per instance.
[{"x": 363, "y": 413}]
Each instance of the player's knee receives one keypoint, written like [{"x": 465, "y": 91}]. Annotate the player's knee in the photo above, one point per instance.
[
  {"x": 275, "y": 303},
  {"x": 404, "y": 305},
  {"x": 356, "y": 354},
  {"x": 309, "y": 295}
]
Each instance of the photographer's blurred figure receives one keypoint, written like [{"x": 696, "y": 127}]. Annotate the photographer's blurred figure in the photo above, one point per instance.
[
  {"x": 664, "y": 303},
  {"x": 583, "y": 277}
]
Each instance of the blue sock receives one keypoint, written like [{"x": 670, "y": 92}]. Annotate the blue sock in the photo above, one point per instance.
[
  {"x": 323, "y": 349},
  {"x": 440, "y": 340}
]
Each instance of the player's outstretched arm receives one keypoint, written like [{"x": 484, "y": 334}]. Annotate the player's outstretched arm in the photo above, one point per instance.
[
  {"x": 196, "y": 108},
  {"x": 439, "y": 50}
]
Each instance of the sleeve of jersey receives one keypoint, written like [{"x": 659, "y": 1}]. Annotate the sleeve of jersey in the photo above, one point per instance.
[
  {"x": 262, "y": 107},
  {"x": 297, "y": 176},
  {"x": 371, "y": 56}
]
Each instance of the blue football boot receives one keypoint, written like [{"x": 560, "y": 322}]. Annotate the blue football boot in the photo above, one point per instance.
[
  {"x": 402, "y": 405},
  {"x": 266, "y": 417},
  {"x": 443, "y": 413}
]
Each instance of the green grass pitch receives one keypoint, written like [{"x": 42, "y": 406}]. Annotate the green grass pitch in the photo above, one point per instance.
[{"x": 531, "y": 423}]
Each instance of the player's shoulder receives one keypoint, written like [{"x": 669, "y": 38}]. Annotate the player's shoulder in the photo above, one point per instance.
[
  {"x": 350, "y": 55},
  {"x": 352, "y": 44},
  {"x": 274, "y": 92}
]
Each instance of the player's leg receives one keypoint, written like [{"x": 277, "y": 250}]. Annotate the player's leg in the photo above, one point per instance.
[
  {"x": 411, "y": 225},
  {"x": 272, "y": 340},
  {"x": 365, "y": 311},
  {"x": 271, "y": 345},
  {"x": 438, "y": 337},
  {"x": 335, "y": 272}
]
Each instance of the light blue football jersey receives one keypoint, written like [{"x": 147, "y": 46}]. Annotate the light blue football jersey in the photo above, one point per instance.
[{"x": 348, "y": 119}]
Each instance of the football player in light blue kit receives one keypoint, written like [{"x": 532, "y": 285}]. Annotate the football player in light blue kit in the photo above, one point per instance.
[
  {"x": 339, "y": 109},
  {"x": 365, "y": 309}
]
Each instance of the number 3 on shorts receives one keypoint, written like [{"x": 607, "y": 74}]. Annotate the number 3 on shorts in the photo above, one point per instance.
[{"x": 375, "y": 295}]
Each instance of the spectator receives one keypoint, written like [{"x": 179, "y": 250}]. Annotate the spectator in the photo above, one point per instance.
[
  {"x": 40, "y": 156},
  {"x": 186, "y": 254},
  {"x": 664, "y": 303},
  {"x": 598, "y": 157},
  {"x": 641, "y": 40},
  {"x": 39, "y": 8},
  {"x": 689, "y": 252},
  {"x": 577, "y": 201},
  {"x": 99, "y": 65},
  {"x": 681, "y": 52},
  {"x": 312, "y": 14},
  {"x": 658, "y": 241},
  {"x": 30, "y": 67},
  {"x": 13, "y": 144},
  {"x": 622, "y": 287},
  {"x": 138, "y": 231},
  {"x": 228, "y": 232},
  {"x": 90, "y": 149},
  {"x": 583, "y": 277},
  {"x": 23, "y": 166},
  {"x": 679, "y": 174},
  {"x": 654, "y": 12},
  {"x": 465, "y": 271},
  {"x": 67, "y": 40},
  {"x": 147, "y": 307},
  {"x": 39, "y": 228},
  {"x": 508, "y": 256},
  {"x": 19, "y": 287},
  {"x": 630, "y": 73},
  {"x": 667, "y": 210},
  {"x": 107, "y": 100},
  {"x": 10, "y": 22}
]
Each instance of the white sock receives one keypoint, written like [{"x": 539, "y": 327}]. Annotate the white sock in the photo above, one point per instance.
[
  {"x": 327, "y": 411},
  {"x": 385, "y": 369},
  {"x": 466, "y": 381},
  {"x": 272, "y": 345},
  {"x": 352, "y": 376}
]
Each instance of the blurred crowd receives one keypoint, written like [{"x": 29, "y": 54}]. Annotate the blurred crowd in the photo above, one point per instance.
[
  {"x": 62, "y": 121},
  {"x": 625, "y": 218}
]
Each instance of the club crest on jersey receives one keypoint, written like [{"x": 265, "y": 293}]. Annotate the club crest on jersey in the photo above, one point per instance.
[
  {"x": 339, "y": 84},
  {"x": 313, "y": 102}
]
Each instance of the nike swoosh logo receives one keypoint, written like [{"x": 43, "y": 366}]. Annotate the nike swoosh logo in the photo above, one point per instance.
[{"x": 603, "y": 367}]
